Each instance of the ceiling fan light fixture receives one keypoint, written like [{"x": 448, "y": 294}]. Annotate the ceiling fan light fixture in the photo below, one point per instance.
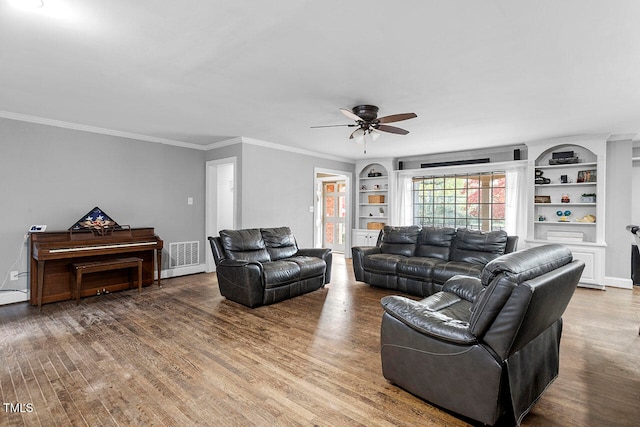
[
  {"x": 358, "y": 135},
  {"x": 374, "y": 134}
]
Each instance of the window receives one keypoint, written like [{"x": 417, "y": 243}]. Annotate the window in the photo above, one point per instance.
[{"x": 475, "y": 201}]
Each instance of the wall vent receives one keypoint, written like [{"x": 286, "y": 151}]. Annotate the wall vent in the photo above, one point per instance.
[{"x": 183, "y": 254}]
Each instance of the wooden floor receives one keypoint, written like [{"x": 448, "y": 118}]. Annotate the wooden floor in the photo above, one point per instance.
[{"x": 184, "y": 356}]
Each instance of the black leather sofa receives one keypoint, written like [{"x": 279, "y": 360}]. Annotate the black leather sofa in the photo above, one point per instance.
[
  {"x": 262, "y": 266},
  {"x": 419, "y": 260},
  {"x": 485, "y": 348}
]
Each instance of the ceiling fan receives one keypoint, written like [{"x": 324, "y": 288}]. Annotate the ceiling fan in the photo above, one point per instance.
[{"x": 368, "y": 123}]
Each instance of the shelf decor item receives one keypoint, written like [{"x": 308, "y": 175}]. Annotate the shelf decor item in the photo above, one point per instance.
[
  {"x": 542, "y": 199},
  {"x": 565, "y": 198},
  {"x": 563, "y": 215},
  {"x": 588, "y": 218},
  {"x": 588, "y": 198},
  {"x": 563, "y": 158},
  {"x": 375, "y": 225},
  {"x": 587, "y": 176},
  {"x": 541, "y": 179},
  {"x": 376, "y": 198}
]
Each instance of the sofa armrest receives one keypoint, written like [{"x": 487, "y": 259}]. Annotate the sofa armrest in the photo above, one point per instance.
[
  {"x": 241, "y": 281},
  {"x": 512, "y": 244},
  {"x": 322, "y": 253},
  {"x": 358, "y": 253},
  {"x": 466, "y": 287},
  {"x": 420, "y": 317}
]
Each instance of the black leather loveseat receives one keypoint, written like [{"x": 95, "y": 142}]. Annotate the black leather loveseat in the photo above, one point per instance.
[
  {"x": 419, "y": 260},
  {"x": 262, "y": 266},
  {"x": 486, "y": 348}
]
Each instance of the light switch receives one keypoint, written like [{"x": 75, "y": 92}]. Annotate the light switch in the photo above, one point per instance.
[{"x": 189, "y": 200}]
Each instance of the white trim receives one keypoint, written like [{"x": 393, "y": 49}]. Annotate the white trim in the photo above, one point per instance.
[
  {"x": 99, "y": 130},
  {"x": 10, "y": 297},
  {"x": 451, "y": 170},
  {"x": 618, "y": 282},
  {"x": 209, "y": 210},
  {"x": 225, "y": 143},
  {"x": 348, "y": 177},
  {"x": 140, "y": 137},
  {"x": 295, "y": 150},
  {"x": 183, "y": 271}
]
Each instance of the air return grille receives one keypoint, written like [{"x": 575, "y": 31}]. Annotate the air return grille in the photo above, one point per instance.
[{"x": 183, "y": 254}]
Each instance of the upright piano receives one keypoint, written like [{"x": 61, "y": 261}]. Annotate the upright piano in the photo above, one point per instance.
[{"x": 53, "y": 252}]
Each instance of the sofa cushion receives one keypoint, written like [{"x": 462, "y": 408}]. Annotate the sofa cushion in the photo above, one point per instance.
[
  {"x": 309, "y": 266},
  {"x": 435, "y": 242},
  {"x": 418, "y": 267},
  {"x": 382, "y": 263},
  {"x": 399, "y": 240},
  {"x": 279, "y": 242},
  {"x": 246, "y": 245},
  {"x": 478, "y": 247},
  {"x": 446, "y": 270},
  {"x": 278, "y": 273}
]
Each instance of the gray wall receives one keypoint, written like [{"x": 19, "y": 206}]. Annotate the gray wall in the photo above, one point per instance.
[
  {"x": 53, "y": 176},
  {"x": 619, "y": 208},
  {"x": 277, "y": 187}
]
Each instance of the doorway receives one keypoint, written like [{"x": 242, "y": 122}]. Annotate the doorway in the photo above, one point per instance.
[
  {"x": 332, "y": 207},
  {"x": 220, "y": 209},
  {"x": 334, "y": 212}
]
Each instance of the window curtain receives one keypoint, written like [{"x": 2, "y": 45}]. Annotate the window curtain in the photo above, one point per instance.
[
  {"x": 404, "y": 207},
  {"x": 516, "y": 202}
]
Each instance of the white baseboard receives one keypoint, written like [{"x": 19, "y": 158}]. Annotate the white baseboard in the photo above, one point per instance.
[
  {"x": 183, "y": 271},
  {"x": 618, "y": 282},
  {"x": 10, "y": 297}
]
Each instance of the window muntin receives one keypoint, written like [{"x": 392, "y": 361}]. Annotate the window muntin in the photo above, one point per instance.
[{"x": 474, "y": 200}]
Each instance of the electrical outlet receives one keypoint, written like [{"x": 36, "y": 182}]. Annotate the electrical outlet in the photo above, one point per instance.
[{"x": 13, "y": 275}]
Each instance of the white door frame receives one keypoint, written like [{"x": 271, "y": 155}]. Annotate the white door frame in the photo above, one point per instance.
[
  {"x": 211, "y": 209},
  {"x": 317, "y": 206}
]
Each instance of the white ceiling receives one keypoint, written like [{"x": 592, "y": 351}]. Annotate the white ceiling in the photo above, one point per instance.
[{"x": 477, "y": 73}]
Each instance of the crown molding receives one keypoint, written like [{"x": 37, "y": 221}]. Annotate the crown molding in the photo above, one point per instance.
[
  {"x": 112, "y": 132},
  {"x": 295, "y": 150},
  {"x": 99, "y": 130},
  {"x": 281, "y": 147}
]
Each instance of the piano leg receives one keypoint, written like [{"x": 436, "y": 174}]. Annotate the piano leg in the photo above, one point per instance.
[
  {"x": 159, "y": 262},
  {"x": 40, "y": 283}
]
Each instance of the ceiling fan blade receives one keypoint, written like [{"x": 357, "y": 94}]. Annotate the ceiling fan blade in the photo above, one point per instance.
[
  {"x": 351, "y": 115},
  {"x": 333, "y": 126},
  {"x": 392, "y": 129},
  {"x": 397, "y": 117}
]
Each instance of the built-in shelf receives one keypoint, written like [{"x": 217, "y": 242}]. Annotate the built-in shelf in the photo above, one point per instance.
[
  {"x": 584, "y": 239},
  {"x": 569, "y": 165},
  {"x": 564, "y": 223},
  {"x": 373, "y": 189},
  {"x": 568, "y": 184},
  {"x": 565, "y": 204}
]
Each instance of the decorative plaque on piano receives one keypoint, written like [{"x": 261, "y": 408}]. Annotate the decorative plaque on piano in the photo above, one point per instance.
[{"x": 97, "y": 221}]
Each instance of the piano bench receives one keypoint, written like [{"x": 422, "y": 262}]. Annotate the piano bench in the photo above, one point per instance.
[{"x": 81, "y": 268}]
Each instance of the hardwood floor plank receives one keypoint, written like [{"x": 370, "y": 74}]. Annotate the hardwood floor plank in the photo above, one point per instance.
[{"x": 183, "y": 355}]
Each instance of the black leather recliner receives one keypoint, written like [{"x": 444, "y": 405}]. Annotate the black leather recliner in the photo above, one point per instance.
[
  {"x": 262, "y": 266},
  {"x": 486, "y": 348}
]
